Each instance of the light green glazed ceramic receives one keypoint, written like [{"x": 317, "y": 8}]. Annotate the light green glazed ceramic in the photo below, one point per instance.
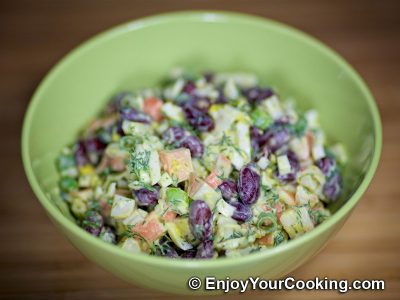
[{"x": 139, "y": 54}]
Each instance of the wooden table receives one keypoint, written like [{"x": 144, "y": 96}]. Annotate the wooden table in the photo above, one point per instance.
[{"x": 37, "y": 262}]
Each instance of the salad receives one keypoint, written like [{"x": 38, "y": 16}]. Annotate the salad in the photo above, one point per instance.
[{"x": 203, "y": 166}]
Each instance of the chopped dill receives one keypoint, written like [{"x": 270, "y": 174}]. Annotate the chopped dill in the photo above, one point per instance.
[
  {"x": 235, "y": 235},
  {"x": 226, "y": 141},
  {"x": 130, "y": 234},
  {"x": 139, "y": 162},
  {"x": 174, "y": 180}
]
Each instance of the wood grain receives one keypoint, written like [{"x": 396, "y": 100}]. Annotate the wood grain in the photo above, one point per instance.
[{"x": 37, "y": 262}]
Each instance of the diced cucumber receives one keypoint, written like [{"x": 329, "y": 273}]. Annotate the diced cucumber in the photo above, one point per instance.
[
  {"x": 145, "y": 164},
  {"x": 263, "y": 163},
  {"x": 179, "y": 232},
  {"x": 313, "y": 179},
  {"x": 175, "y": 90},
  {"x": 154, "y": 167},
  {"x": 283, "y": 165},
  {"x": 198, "y": 168},
  {"x": 165, "y": 180},
  {"x": 225, "y": 208},
  {"x": 230, "y": 90},
  {"x": 296, "y": 221},
  {"x": 122, "y": 207},
  {"x": 131, "y": 245},
  {"x": 78, "y": 207},
  {"x": 173, "y": 112},
  {"x": 178, "y": 200},
  {"x": 273, "y": 107},
  {"x": 261, "y": 119},
  {"x": 135, "y": 128},
  {"x": 136, "y": 217},
  {"x": 318, "y": 152},
  {"x": 243, "y": 139},
  {"x": 85, "y": 181},
  {"x": 305, "y": 197},
  {"x": 207, "y": 193}
]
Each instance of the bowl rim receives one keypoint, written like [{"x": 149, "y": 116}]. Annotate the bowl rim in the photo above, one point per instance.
[{"x": 198, "y": 16}]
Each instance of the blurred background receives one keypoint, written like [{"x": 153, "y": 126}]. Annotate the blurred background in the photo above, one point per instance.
[{"x": 36, "y": 262}]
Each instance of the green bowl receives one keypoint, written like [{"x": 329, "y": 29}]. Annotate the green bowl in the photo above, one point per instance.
[{"x": 139, "y": 54}]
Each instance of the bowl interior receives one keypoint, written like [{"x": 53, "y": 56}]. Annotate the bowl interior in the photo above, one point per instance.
[{"x": 140, "y": 54}]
